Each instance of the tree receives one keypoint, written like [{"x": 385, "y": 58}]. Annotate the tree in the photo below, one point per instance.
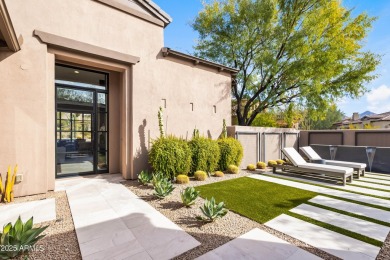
[
  {"x": 321, "y": 121},
  {"x": 265, "y": 119},
  {"x": 304, "y": 51}
]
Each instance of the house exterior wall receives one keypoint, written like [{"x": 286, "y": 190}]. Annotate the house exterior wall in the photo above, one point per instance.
[{"x": 27, "y": 85}]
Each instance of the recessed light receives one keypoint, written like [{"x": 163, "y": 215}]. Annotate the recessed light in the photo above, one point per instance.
[{"x": 76, "y": 71}]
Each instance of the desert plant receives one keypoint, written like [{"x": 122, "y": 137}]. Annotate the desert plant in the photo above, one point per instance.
[
  {"x": 160, "y": 122},
  {"x": 200, "y": 175},
  {"x": 211, "y": 210},
  {"x": 280, "y": 161},
  {"x": 233, "y": 169},
  {"x": 188, "y": 196},
  {"x": 218, "y": 174},
  {"x": 156, "y": 178},
  {"x": 7, "y": 191},
  {"x": 272, "y": 163},
  {"x": 261, "y": 165},
  {"x": 170, "y": 155},
  {"x": 251, "y": 167},
  {"x": 163, "y": 188},
  {"x": 205, "y": 154},
  {"x": 17, "y": 239},
  {"x": 224, "y": 130},
  {"x": 144, "y": 177},
  {"x": 231, "y": 152},
  {"x": 195, "y": 133},
  {"x": 182, "y": 179}
]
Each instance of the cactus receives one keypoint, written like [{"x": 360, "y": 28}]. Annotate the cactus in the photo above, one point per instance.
[
  {"x": 233, "y": 169},
  {"x": 182, "y": 179},
  {"x": 261, "y": 165},
  {"x": 200, "y": 175},
  {"x": 7, "y": 192},
  {"x": 251, "y": 167},
  {"x": 218, "y": 174},
  {"x": 195, "y": 134},
  {"x": 160, "y": 122},
  {"x": 224, "y": 130},
  {"x": 272, "y": 163}
]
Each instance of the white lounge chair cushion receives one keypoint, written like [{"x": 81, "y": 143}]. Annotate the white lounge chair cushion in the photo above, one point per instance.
[
  {"x": 293, "y": 156},
  {"x": 346, "y": 164},
  {"x": 312, "y": 155},
  {"x": 325, "y": 167}
]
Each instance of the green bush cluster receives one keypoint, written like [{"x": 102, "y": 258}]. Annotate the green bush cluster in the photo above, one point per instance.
[
  {"x": 261, "y": 165},
  {"x": 233, "y": 169},
  {"x": 205, "y": 154},
  {"x": 251, "y": 167},
  {"x": 170, "y": 155},
  {"x": 231, "y": 152}
]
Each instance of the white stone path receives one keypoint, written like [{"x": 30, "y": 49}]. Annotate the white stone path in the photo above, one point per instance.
[
  {"x": 41, "y": 210},
  {"x": 113, "y": 223},
  {"x": 374, "y": 180},
  {"x": 372, "y": 185},
  {"x": 323, "y": 190},
  {"x": 378, "y": 176},
  {"x": 258, "y": 244},
  {"x": 327, "y": 240}
]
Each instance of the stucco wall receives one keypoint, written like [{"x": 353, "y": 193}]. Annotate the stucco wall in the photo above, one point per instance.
[{"x": 27, "y": 85}]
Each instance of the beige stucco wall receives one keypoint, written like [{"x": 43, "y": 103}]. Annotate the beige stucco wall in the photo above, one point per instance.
[{"x": 27, "y": 86}]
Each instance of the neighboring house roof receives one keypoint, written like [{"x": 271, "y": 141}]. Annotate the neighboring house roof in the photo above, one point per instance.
[
  {"x": 167, "y": 51},
  {"x": 371, "y": 118},
  {"x": 8, "y": 37}
]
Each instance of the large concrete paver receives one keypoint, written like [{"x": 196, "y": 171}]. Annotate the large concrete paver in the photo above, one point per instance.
[
  {"x": 111, "y": 222},
  {"x": 366, "y": 228},
  {"x": 258, "y": 244},
  {"x": 372, "y": 185},
  {"x": 327, "y": 240}
]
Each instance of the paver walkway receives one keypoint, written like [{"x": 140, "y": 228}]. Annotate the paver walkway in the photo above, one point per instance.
[
  {"x": 371, "y": 185},
  {"x": 113, "y": 223},
  {"x": 379, "y": 181},
  {"x": 378, "y": 176},
  {"x": 258, "y": 244},
  {"x": 41, "y": 210},
  {"x": 323, "y": 190},
  {"x": 327, "y": 240}
]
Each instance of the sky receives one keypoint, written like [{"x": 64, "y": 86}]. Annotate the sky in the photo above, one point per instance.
[{"x": 180, "y": 36}]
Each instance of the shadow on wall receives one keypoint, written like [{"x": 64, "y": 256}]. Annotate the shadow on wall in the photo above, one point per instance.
[
  {"x": 225, "y": 91},
  {"x": 141, "y": 156},
  {"x": 5, "y": 54}
]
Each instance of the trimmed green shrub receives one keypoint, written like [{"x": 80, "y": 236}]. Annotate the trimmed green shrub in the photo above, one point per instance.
[
  {"x": 272, "y": 163},
  {"x": 251, "y": 167},
  {"x": 280, "y": 161},
  {"x": 218, "y": 174},
  {"x": 261, "y": 165},
  {"x": 200, "y": 175},
  {"x": 233, "y": 169},
  {"x": 205, "y": 154},
  {"x": 170, "y": 156},
  {"x": 231, "y": 152},
  {"x": 182, "y": 179}
]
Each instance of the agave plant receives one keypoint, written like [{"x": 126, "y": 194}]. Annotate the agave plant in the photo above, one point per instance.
[
  {"x": 211, "y": 210},
  {"x": 163, "y": 188},
  {"x": 189, "y": 195},
  {"x": 19, "y": 238},
  {"x": 157, "y": 177},
  {"x": 144, "y": 178}
]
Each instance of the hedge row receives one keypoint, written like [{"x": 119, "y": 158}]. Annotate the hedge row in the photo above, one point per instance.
[{"x": 172, "y": 155}]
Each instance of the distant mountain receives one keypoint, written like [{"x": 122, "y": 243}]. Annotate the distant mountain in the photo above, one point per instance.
[{"x": 366, "y": 113}]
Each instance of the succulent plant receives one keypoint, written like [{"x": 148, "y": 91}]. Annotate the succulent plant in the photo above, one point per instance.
[
  {"x": 157, "y": 177},
  {"x": 144, "y": 177},
  {"x": 17, "y": 239},
  {"x": 182, "y": 179},
  {"x": 280, "y": 161},
  {"x": 163, "y": 188},
  {"x": 7, "y": 192},
  {"x": 188, "y": 196},
  {"x": 233, "y": 169},
  {"x": 211, "y": 210},
  {"x": 272, "y": 163},
  {"x": 261, "y": 165},
  {"x": 218, "y": 174},
  {"x": 200, "y": 175},
  {"x": 251, "y": 167}
]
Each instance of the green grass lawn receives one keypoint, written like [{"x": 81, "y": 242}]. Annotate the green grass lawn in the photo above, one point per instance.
[{"x": 256, "y": 199}]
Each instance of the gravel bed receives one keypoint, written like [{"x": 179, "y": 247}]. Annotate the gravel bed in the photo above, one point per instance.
[
  {"x": 210, "y": 235},
  {"x": 60, "y": 241}
]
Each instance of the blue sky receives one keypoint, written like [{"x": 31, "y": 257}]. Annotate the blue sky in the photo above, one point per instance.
[{"x": 180, "y": 36}]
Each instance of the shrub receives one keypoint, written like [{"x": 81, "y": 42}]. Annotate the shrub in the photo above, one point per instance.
[
  {"x": 182, "y": 179},
  {"x": 231, "y": 152},
  {"x": 19, "y": 238},
  {"x": 218, "y": 174},
  {"x": 279, "y": 161},
  {"x": 261, "y": 165},
  {"x": 272, "y": 163},
  {"x": 251, "y": 167},
  {"x": 170, "y": 155},
  {"x": 200, "y": 175},
  {"x": 163, "y": 188},
  {"x": 233, "y": 169},
  {"x": 205, "y": 154},
  {"x": 212, "y": 211},
  {"x": 188, "y": 196},
  {"x": 144, "y": 178}
]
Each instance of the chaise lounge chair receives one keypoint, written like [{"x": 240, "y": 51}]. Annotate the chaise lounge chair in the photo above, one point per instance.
[
  {"x": 312, "y": 155},
  {"x": 299, "y": 165}
]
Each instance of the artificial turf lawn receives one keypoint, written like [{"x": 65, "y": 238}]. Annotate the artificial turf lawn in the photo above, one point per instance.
[{"x": 258, "y": 200}]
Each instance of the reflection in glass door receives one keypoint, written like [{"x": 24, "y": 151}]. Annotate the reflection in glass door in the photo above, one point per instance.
[{"x": 81, "y": 121}]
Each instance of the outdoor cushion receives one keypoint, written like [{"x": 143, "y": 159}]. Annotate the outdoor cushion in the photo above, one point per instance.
[
  {"x": 325, "y": 167},
  {"x": 311, "y": 154}
]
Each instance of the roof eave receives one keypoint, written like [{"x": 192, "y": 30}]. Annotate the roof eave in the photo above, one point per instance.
[
  {"x": 7, "y": 29},
  {"x": 157, "y": 11}
]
